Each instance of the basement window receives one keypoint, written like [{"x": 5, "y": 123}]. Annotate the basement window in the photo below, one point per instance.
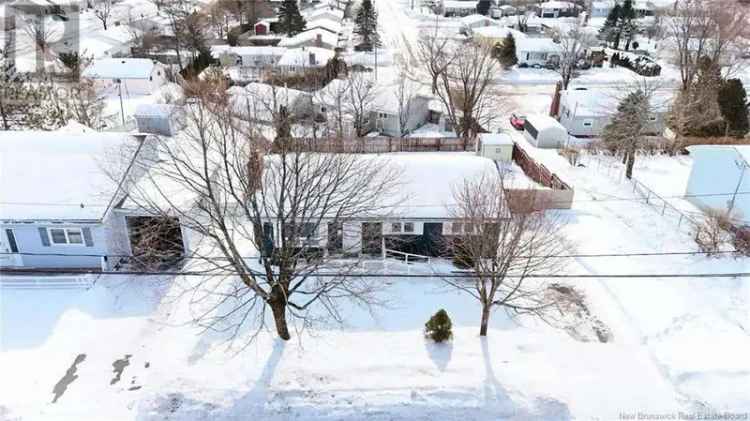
[
  {"x": 408, "y": 227},
  {"x": 396, "y": 227}
]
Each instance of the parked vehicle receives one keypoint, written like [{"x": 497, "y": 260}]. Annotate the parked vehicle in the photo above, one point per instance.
[{"x": 517, "y": 121}]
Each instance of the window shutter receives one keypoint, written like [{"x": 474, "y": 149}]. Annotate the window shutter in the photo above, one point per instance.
[
  {"x": 87, "y": 237},
  {"x": 43, "y": 236}
]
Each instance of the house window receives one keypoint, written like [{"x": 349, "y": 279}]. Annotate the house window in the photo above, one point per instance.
[
  {"x": 11, "y": 240},
  {"x": 408, "y": 227},
  {"x": 652, "y": 118},
  {"x": 382, "y": 115},
  {"x": 468, "y": 228},
  {"x": 396, "y": 227},
  {"x": 587, "y": 123},
  {"x": 323, "y": 110},
  {"x": 65, "y": 235},
  {"x": 455, "y": 228},
  {"x": 498, "y": 150}
]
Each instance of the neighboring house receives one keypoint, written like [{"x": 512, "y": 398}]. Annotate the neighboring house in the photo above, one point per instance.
[
  {"x": 58, "y": 192},
  {"x": 495, "y": 35},
  {"x": 384, "y": 113},
  {"x": 585, "y": 112},
  {"x": 536, "y": 52},
  {"x": 320, "y": 38},
  {"x": 265, "y": 26},
  {"x": 544, "y": 132},
  {"x": 557, "y": 9},
  {"x": 495, "y": 146},
  {"x": 601, "y": 8},
  {"x": 503, "y": 11},
  {"x": 249, "y": 56},
  {"x": 135, "y": 76},
  {"x": 261, "y": 102},
  {"x": 718, "y": 172},
  {"x": 468, "y": 23},
  {"x": 330, "y": 25},
  {"x": 418, "y": 220},
  {"x": 458, "y": 7},
  {"x": 297, "y": 60},
  {"x": 324, "y": 13}
]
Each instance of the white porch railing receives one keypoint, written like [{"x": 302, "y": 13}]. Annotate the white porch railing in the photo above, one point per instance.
[
  {"x": 45, "y": 282},
  {"x": 407, "y": 257}
]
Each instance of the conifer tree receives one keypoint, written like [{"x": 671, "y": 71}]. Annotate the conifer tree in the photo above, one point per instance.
[
  {"x": 291, "y": 21},
  {"x": 607, "y": 31},
  {"x": 733, "y": 106},
  {"x": 483, "y": 7},
  {"x": 366, "y": 23},
  {"x": 507, "y": 52},
  {"x": 624, "y": 133}
]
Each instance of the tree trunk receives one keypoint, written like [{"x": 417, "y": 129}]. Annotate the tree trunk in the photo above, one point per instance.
[
  {"x": 631, "y": 163},
  {"x": 105, "y": 25},
  {"x": 485, "y": 320},
  {"x": 278, "y": 307}
]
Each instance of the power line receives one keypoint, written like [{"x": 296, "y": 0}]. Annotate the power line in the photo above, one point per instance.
[
  {"x": 452, "y": 275},
  {"x": 556, "y": 256},
  {"x": 609, "y": 199}
]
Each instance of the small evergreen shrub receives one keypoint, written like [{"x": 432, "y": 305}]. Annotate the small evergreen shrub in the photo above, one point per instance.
[{"x": 439, "y": 327}]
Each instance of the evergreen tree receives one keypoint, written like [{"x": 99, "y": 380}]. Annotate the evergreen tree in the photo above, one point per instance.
[
  {"x": 366, "y": 23},
  {"x": 733, "y": 105},
  {"x": 624, "y": 133},
  {"x": 626, "y": 25},
  {"x": 291, "y": 21},
  {"x": 607, "y": 31},
  {"x": 506, "y": 52},
  {"x": 483, "y": 7}
]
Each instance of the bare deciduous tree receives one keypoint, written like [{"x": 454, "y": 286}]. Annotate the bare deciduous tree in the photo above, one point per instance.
[
  {"x": 434, "y": 54},
  {"x": 705, "y": 29},
  {"x": 523, "y": 13},
  {"x": 467, "y": 91},
  {"x": 102, "y": 11},
  {"x": 244, "y": 199},
  {"x": 362, "y": 93},
  {"x": 405, "y": 93},
  {"x": 573, "y": 44},
  {"x": 504, "y": 249}
]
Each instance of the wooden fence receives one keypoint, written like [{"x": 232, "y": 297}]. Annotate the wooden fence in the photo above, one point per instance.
[
  {"x": 536, "y": 171},
  {"x": 559, "y": 195},
  {"x": 382, "y": 144}
]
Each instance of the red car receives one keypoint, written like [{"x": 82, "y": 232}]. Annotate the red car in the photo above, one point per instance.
[{"x": 517, "y": 121}]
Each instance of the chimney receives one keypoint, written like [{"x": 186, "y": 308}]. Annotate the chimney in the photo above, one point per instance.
[{"x": 312, "y": 59}]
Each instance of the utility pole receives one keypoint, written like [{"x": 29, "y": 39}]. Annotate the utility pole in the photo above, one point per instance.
[
  {"x": 742, "y": 165},
  {"x": 122, "y": 109}
]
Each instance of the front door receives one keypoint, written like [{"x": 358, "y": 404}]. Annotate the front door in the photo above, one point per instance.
[{"x": 9, "y": 256}]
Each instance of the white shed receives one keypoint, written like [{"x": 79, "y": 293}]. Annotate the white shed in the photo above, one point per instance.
[
  {"x": 496, "y": 146},
  {"x": 544, "y": 131}
]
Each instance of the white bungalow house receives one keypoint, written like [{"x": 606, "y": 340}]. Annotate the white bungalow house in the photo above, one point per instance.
[
  {"x": 601, "y": 8},
  {"x": 718, "y": 172},
  {"x": 320, "y": 38},
  {"x": 417, "y": 220},
  {"x": 585, "y": 112},
  {"x": 330, "y": 25},
  {"x": 58, "y": 197},
  {"x": 297, "y": 60},
  {"x": 536, "y": 52},
  {"x": 135, "y": 76},
  {"x": 458, "y": 7},
  {"x": 384, "y": 113},
  {"x": 247, "y": 56},
  {"x": 557, "y": 9},
  {"x": 324, "y": 13},
  {"x": 495, "y": 34},
  {"x": 470, "y": 22},
  {"x": 259, "y": 102}
]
